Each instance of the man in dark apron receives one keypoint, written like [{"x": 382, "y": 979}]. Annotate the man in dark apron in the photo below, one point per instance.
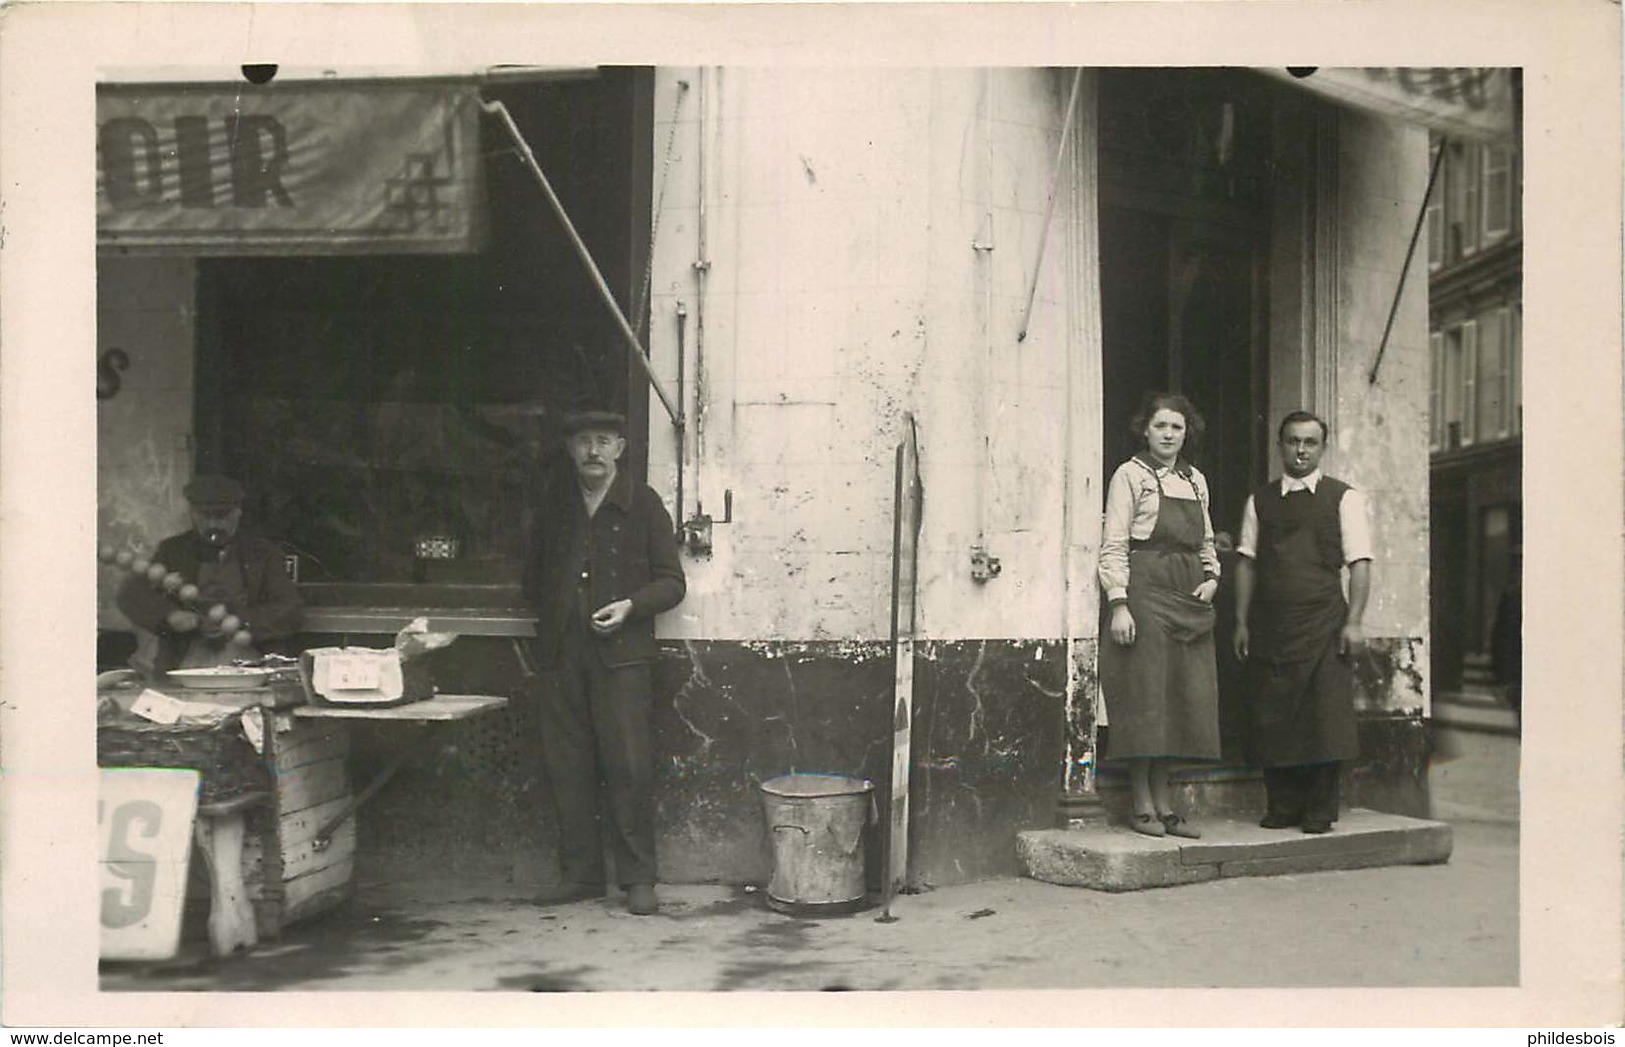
[{"x": 1296, "y": 633}]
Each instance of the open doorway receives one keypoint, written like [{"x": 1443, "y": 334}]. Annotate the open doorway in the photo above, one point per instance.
[{"x": 1184, "y": 245}]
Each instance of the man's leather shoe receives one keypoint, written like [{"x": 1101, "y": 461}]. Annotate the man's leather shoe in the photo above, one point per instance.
[
  {"x": 641, "y": 900},
  {"x": 1279, "y": 821},
  {"x": 1317, "y": 827}
]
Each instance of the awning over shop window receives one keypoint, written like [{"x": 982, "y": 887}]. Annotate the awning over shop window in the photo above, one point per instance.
[
  {"x": 295, "y": 168},
  {"x": 1459, "y": 102}
]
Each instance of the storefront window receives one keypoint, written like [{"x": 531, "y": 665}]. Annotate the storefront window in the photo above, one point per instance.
[{"x": 393, "y": 415}]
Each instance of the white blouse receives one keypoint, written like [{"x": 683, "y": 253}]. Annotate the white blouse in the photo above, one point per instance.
[{"x": 1132, "y": 504}]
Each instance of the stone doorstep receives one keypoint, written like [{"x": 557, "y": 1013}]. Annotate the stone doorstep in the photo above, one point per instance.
[
  {"x": 1496, "y": 719},
  {"x": 1115, "y": 858}
]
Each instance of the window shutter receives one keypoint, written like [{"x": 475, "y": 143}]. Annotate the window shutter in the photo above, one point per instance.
[
  {"x": 1436, "y": 419},
  {"x": 1490, "y": 378},
  {"x": 1469, "y": 216},
  {"x": 1515, "y": 340},
  {"x": 1469, "y": 381},
  {"x": 1435, "y": 215}
]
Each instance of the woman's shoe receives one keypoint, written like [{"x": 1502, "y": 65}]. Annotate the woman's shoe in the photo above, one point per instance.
[
  {"x": 1174, "y": 825},
  {"x": 1147, "y": 825}
]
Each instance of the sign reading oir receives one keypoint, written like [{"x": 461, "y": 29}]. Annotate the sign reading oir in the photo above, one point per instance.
[{"x": 288, "y": 169}]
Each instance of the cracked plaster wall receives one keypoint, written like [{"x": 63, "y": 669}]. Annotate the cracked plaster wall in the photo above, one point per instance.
[
  {"x": 1381, "y": 429},
  {"x": 843, "y": 291}
]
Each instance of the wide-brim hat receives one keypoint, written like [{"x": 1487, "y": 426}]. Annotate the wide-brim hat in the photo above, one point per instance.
[
  {"x": 581, "y": 421},
  {"x": 212, "y": 491}
]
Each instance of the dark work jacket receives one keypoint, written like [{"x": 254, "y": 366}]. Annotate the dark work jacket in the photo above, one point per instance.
[
  {"x": 270, "y": 608},
  {"x": 628, "y": 551}
]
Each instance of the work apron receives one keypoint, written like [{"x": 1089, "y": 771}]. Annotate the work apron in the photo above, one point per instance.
[
  {"x": 1301, "y": 689},
  {"x": 1163, "y": 690}
]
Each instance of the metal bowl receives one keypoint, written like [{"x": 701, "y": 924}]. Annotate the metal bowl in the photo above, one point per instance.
[{"x": 221, "y": 678}]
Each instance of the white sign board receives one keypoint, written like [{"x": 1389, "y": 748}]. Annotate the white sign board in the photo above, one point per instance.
[{"x": 144, "y": 819}]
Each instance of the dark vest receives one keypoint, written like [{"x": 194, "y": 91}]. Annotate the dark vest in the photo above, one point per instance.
[{"x": 1300, "y": 541}]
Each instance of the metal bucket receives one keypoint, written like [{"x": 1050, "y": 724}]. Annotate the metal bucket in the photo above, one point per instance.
[{"x": 816, "y": 823}]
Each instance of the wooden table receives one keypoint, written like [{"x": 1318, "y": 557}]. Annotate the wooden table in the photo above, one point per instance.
[
  {"x": 442, "y": 708},
  {"x": 219, "y": 832},
  {"x": 219, "y": 827}
]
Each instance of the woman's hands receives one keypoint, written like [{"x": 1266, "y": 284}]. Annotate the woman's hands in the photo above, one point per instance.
[
  {"x": 1205, "y": 591},
  {"x": 1122, "y": 625}
]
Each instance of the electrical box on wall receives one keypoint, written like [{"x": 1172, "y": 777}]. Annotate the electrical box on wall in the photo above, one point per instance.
[{"x": 983, "y": 567}]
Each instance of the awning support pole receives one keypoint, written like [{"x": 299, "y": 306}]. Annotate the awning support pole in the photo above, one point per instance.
[
  {"x": 1049, "y": 205},
  {"x": 1416, "y": 234},
  {"x": 500, "y": 110}
]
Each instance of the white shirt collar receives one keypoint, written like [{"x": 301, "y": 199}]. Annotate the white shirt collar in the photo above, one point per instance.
[
  {"x": 1293, "y": 483},
  {"x": 1180, "y": 466}
]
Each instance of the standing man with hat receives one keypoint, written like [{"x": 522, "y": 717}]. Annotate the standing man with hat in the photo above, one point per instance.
[
  {"x": 603, "y": 562},
  {"x": 1296, "y": 633},
  {"x": 240, "y": 572}
]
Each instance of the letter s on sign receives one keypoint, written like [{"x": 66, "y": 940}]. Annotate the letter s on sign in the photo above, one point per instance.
[
  {"x": 127, "y": 907},
  {"x": 108, "y": 366}
]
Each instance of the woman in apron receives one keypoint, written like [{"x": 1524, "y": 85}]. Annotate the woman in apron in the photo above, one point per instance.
[{"x": 1158, "y": 566}]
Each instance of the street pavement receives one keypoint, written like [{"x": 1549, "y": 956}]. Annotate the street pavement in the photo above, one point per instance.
[{"x": 1448, "y": 925}]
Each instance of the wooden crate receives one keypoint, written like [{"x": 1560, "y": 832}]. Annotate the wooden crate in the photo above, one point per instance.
[{"x": 288, "y": 877}]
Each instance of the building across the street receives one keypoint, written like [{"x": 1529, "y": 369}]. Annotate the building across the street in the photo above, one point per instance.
[
  {"x": 351, "y": 294},
  {"x": 1475, "y": 321}
]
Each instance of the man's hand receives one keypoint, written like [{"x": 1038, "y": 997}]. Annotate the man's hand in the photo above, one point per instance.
[
  {"x": 1122, "y": 625},
  {"x": 1352, "y": 641},
  {"x": 1205, "y": 591},
  {"x": 182, "y": 621},
  {"x": 611, "y": 617},
  {"x": 1239, "y": 641}
]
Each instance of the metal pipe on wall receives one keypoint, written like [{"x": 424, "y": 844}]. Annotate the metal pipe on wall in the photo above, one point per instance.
[
  {"x": 682, "y": 430},
  {"x": 982, "y": 245},
  {"x": 702, "y": 268}
]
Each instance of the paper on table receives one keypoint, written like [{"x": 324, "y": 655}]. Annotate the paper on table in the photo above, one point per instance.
[{"x": 157, "y": 707}]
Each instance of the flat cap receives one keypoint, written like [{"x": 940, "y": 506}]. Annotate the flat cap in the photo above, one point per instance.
[
  {"x": 580, "y": 421},
  {"x": 210, "y": 490}
]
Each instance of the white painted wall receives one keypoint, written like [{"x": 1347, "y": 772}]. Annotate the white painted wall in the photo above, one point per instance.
[
  {"x": 1381, "y": 438},
  {"x": 844, "y": 290},
  {"x": 143, "y": 434}
]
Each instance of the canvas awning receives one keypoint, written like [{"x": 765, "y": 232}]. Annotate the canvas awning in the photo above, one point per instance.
[
  {"x": 290, "y": 167},
  {"x": 1458, "y": 102}
]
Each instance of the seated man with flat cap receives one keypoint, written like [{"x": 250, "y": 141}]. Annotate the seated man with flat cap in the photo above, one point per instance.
[{"x": 240, "y": 572}]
